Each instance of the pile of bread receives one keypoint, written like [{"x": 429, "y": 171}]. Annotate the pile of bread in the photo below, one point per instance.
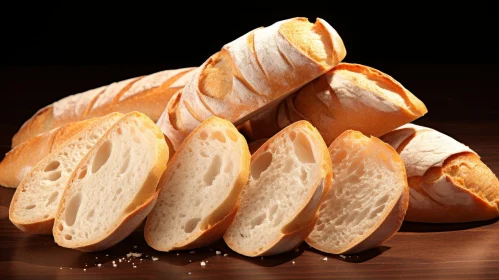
[{"x": 171, "y": 148}]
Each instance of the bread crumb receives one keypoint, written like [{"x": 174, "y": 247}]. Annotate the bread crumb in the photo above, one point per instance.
[
  {"x": 120, "y": 260},
  {"x": 115, "y": 265},
  {"x": 225, "y": 255},
  {"x": 155, "y": 259},
  {"x": 84, "y": 269},
  {"x": 190, "y": 261},
  {"x": 135, "y": 255},
  {"x": 192, "y": 252},
  {"x": 203, "y": 264},
  {"x": 261, "y": 258},
  {"x": 60, "y": 268},
  {"x": 70, "y": 268},
  {"x": 189, "y": 273},
  {"x": 324, "y": 259},
  {"x": 107, "y": 255},
  {"x": 177, "y": 254},
  {"x": 218, "y": 252},
  {"x": 293, "y": 262},
  {"x": 134, "y": 266},
  {"x": 96, "y": 258},
  {"x": 99, "y": 265}
]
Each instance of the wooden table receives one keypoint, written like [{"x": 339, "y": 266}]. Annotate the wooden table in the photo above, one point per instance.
[{"x": 418, "y": 251}]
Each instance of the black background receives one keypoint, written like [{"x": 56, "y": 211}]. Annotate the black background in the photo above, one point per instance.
[{"x": 443, "y": 52}]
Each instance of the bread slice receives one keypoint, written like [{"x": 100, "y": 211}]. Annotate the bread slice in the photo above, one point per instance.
[
  {"x": 20, "y": 160},
  {"x": 200, "y": 188},
  {"x": 368, "y": 199},
  {"x": 36, "y": 199},
  {"x": 448, "y": 183},
  {"x": 290, "y": 175},
  {"x": 114, "y": 186}
]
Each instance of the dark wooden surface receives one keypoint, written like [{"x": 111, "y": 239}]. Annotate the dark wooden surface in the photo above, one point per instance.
[{"x": 418, "y": 251}]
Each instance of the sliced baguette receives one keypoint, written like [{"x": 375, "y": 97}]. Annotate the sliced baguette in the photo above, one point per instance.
[
  {"x": 148, "y": 94},
  {"x": 368, "y": 199},
  {"x": 35, "y": 202},
  {"x": 200, "y": 188},
  {"x": 114, "y": 186},
  {"x": 19, "y": 161},
  {"x": 448, "y": 183},
  {"x": 349, "y": 97},
  {"x": 290, "y": 175},
  {"x": 255, "y": 72}
]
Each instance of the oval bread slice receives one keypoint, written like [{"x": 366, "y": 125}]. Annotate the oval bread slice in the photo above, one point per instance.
[
  {"x": 114, "y": 187},
  {"x": 368, "y": 199},
  {"x": 35, "y": 202},
  {"x": 200, "y": 188},
  {"x": 290, "y": 175}
]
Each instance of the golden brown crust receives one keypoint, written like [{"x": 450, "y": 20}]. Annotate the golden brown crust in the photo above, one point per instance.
[
  {"x": 350, "y": 96},
  {"x": 39, "y": 123},
  {"x": 150, "y": 101},
  {"x": 334, "y": 117},
  {"x": 466, "y": 177},
  {"x": 18, "y": 161}
]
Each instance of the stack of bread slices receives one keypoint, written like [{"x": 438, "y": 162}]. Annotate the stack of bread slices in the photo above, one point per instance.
[{"x": 332, "y": 159}]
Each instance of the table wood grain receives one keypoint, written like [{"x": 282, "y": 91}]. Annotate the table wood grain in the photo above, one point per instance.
[{"x": 417, "y": 251}]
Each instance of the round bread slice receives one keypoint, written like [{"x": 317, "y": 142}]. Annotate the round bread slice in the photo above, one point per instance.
[
  {"x": 290, "y": 175},
  {"x": 35, "y": 202},
  {"x": 114, "y": 187},
  {"x": 368, "y": 199},
  {"x": 200, "y": 188}
]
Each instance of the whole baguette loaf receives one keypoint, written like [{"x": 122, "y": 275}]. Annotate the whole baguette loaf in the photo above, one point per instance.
[
  {"x": 448, "y": 182},
  {"x": 148, "y": 94},
  {"x": 350, "y": 96},
  {"x": 20, "y": 160},
  {"x": 253, "y": 73}
]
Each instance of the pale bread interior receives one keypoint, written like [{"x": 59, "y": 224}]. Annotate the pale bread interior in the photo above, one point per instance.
[
  {"x": 367, "y": 183},
  {"x": 110, "y": 183},
  {"x": 284, "y": 177},
  {"x": 41, "y": 190},
  {"x": 197, "y": 184}
]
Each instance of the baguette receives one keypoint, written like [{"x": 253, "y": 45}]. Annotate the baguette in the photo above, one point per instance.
[
  {"x": 368, "y": 199},
  {"x": 147, "y": 94},
  {"x": 290, "y": 176},
  {"x": 252, "y": 73},
  {"x": 194, "y": 209},
  {"x": 448, "y": 182},
  {"x": 19, "y": 161},
  {"x": 114, "y": 187},
  {"x": 35, "y": 202},
  {"x": 350, "y": 96}
]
